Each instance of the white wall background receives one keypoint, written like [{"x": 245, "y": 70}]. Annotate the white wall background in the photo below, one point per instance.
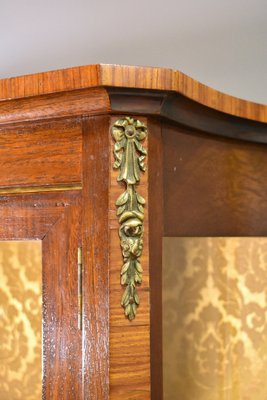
[{"x": 222, "y": 43}]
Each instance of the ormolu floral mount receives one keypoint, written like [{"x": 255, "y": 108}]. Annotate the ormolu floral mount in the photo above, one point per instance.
[{"x": 129, "y": 158}]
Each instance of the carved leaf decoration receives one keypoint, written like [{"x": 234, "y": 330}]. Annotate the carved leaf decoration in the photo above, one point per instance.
[
  {"x": 138, "y": 278},
  {"x": 125, "y": 267},
  {"x": 123, "y": 279},
  {"x": 136, "y": 298},
  {"x": 122, "y": 199},
  {"x": 126, "y": 297},
  {"x": 120, "y": 210},
  {"x": 130, "y": 154},
  {"x": 138, "y": 267},
  {"x": 140, "y": 208},
  {"x": 140, "y": 199}
]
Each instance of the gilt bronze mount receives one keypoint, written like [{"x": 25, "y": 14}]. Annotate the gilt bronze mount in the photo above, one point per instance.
[{"x": 130, "y": 154}]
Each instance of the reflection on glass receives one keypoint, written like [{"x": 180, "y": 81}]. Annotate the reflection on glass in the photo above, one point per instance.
[
  {"x": 20, "y": 320},
  {"x": 214, "y": 318}
]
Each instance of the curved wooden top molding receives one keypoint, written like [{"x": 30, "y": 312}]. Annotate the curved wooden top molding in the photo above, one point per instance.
[{"x": 162, "y": 79}]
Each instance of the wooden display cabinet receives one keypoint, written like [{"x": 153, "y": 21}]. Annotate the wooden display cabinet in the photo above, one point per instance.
[{"x": 206, "y": 172}]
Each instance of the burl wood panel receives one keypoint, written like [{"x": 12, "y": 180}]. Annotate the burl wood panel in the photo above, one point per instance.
[
  {"x": 129, "y": 340},
  {"x": 212, "y": 186},
  {"x": 45, "y": 153},
  {"x": 62, "y": 338}
]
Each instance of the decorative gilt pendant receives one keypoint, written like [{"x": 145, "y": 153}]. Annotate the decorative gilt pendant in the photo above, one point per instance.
[{"x": 129, "y": 154}]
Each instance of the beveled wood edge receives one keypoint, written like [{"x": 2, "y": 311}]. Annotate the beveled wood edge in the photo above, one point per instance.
[
  {"x": 74, "y": 103},
  {"x": 167, "y": 105},
  {"x": 150, "y": 78},
  {"x": 176, "y": 108}
]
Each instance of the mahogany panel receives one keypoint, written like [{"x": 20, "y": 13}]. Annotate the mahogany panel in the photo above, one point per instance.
[
  {"x": 62, "y": 338},
  {"x": 96, "y": 257},
  {"x": 45, "y": 153},
  {"x": 31, "y": 216},
  {"x": 212, "y": 186}
]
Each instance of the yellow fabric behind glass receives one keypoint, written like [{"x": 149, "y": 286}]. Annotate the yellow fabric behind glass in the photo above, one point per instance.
[
  {"x": 215, "y": 318},
  {"x": 20, "y": 320}
]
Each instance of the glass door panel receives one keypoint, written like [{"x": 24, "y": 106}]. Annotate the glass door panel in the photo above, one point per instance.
[
  {"x": 215, "y": 318},
  {"x": 20, "y": 320}
]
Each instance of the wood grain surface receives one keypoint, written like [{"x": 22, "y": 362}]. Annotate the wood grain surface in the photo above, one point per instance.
[
  {"x": 31, "y": 216},
  {"x": 96, "y": 258},
  {"x": 212, "y": 186},
  {"x": 53, "y": 218},
  {"x": 44, "y": 153},
  {"x": 176, "y": 108},
  {"x": 130, "y": 362},
  {"x": 57, "y": 105},
  {"x": 156, "y": 222},
  {"x": 56, "y": 131},
  {"x": 132, "y": 77},
  {"x": 129, "y": 340},
  {"x": 62, "y": 338}
]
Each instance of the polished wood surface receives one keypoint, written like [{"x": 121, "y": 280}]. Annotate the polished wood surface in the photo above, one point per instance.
[
  {"x": 129, "y": 340},
  {"x": 176, "y": 108},
  {"x": 156, "y": 222},
  {"x": 58, "y": 105},
  {"x": 53, "y": 218},
  {"x": 96, "y": 258},
  {"x": 181, "y": 110},
  {"x": 130, "y": 358},
  {"x": 212, "y": 186},
  {"x": 31, "y": 216},
  {"x": 132, "y": 77},
  {"x": 62, "y": 338},
  {"x": 55, "y": 134},
  {"x": 43, "y": 153}
]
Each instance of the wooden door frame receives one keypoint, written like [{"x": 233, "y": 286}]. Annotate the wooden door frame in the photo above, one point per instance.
[{"x": 54, "y": 219}]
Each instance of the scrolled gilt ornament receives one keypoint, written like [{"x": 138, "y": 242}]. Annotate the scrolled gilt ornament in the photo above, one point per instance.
[{"x": 130, "y": 154}]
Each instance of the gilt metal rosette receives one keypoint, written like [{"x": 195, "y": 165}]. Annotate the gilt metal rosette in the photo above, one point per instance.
[{"x": 130, "y": 154}]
